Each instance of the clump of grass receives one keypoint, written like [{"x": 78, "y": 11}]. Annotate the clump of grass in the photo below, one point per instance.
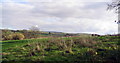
[
  {"x": 67, "y": 45},
  {"x": 91, "y": 51},
  {"x": 34, "y": 48},
  {"x": 86, "y": 41}
]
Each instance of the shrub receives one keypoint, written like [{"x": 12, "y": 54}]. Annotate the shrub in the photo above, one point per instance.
[
  {"x": 14, "y": 36},
  {"x": 5, "y": 34},
  {"x": 9, "y": 37},
  {"x": 17, "y": 36}
]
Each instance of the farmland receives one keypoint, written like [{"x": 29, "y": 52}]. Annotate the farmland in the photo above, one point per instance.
[
  {"x": 62, "y": 49},
  {"x": 60, "y": 31}
]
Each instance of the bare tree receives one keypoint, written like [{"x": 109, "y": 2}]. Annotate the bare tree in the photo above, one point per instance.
[
  {"x": 34, "y": 32},
  {"x": 34, "y": 28},
  {"x": 115, "y": 4}
]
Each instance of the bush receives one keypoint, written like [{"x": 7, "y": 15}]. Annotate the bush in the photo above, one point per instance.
[
  {"x": 9, "y": 37},
  {"x": 14, "y": 36},
  {"x": 17, "y": 36},
  {"x": 5, "y": 34}
]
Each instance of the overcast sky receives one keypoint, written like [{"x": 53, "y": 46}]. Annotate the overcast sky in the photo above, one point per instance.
[{"x": 73, "y": 16}]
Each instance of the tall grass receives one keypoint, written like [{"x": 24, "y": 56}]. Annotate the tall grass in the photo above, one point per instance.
[
  {"x": 61, "y": 44},
  {"x": 62, "y": 48}
]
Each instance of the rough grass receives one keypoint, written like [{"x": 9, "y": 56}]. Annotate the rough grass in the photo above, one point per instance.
[{"x": 70, "y": 49}]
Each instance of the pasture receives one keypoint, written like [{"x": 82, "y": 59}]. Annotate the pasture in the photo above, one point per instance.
[{"x": 62, "y": 49}]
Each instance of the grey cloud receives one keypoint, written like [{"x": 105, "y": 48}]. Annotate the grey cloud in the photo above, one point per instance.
[
  {"x": 58, "y": 17},
  {"x": 63, "y": 11}
]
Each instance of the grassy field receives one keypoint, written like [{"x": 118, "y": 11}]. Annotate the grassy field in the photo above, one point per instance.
[{"x": 66, "y": 49}]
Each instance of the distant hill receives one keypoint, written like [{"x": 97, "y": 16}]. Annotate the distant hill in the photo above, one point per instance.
[{"x": 52, "y": 31}]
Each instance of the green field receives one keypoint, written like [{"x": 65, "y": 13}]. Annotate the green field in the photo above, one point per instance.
[{"x": 67, "y": 49}]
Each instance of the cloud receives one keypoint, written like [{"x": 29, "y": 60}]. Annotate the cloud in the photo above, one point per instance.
[
  {"x": 54, "y": 15},
  {"x": 68, "y": 0}
]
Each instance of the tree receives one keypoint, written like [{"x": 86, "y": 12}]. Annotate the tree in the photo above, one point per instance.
[
  {"x": 33, "y": 32},
  {"x": 115, "y": 4},
  {"x": 34, "y": 28}
]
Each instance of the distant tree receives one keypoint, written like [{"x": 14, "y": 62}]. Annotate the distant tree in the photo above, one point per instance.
[
  {"x": 34, "y": 28},
  {"x": 33, "y": 32}
]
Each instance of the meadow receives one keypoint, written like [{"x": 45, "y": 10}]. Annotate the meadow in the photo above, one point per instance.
[{"x": 82, "y": 49}]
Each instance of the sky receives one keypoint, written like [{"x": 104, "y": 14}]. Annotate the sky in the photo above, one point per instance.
[{"x": 71, "y": 16}]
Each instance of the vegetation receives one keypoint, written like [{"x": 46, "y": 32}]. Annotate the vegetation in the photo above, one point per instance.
[
  {"x": 17, "y": 36},
  {"x": 21, "y": 46},
  {"x": 30, "y": 34},
  {"x": 115, "y": 5},
  {"x": 14, "y": 36},
  {"x": 66, "y": 49}
]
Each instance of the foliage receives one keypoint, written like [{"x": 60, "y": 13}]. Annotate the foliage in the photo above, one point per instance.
[
  {"x": 114, "y": 5},
  {"x": 9, "y": 37},
  {"x": 14, "y": 36},
  {"x": 5, "y": 34},
  {"x": 17, "y": 36},
  {"x": 30, "y": 34}
]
